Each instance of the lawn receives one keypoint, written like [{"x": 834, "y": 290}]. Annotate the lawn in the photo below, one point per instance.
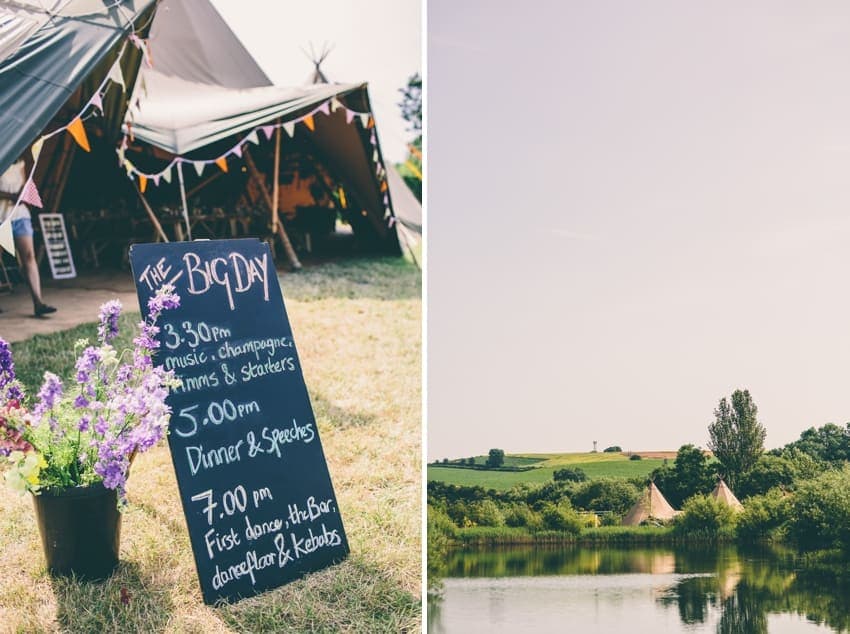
[
  {"x": 595, "y": 465},
  {"x": 357, "y": 325}
]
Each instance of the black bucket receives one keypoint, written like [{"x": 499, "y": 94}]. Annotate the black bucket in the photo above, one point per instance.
[{"x": 80, "y": 530}]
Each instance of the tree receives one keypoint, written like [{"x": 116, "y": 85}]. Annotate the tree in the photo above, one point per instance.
[
  {"x": 470, "y": 461},
  {"x": 689, "y": 475},
  {"x": 496, "y": 458},
  {"x": 411, "y": 111},
  {"x": 613, "y": 449},
  {"x": 569, "y": 474},
  {"x": 736, "y": 436}
]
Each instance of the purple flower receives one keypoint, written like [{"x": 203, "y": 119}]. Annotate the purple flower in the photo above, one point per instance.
[
  {"x": 164, "y": 299},
  {"x": 8, "y": 383},
  {"x": 84, "y": 424},
  {"x": 87, "y": 363},
  {"x": 48, "y": 395},
  {"x": 108, "y": 328},
  {"x": 81, "y": 402}
]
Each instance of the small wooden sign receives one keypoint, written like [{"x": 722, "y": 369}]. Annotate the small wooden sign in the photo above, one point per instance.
[
  {"x": 57, "y": 246},
  {"x": 256, "y": 492}
]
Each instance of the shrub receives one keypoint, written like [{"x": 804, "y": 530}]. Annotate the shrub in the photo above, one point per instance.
[
  {"x": 486, "y": 513},
  {"x": 518, "y": 515},
  {"x": 635, "y": 456},
  {"x": 496, "y": 458},
  {"x": 820, "y": 512},
  {"x": 605, "y": 494},
  {"x": 470, "y": 461},
  {"x": 561, "y": 517},
  {"x": 441, "y": 533},
  {"x": 703, "y": 515},
  {"x": 569, "y": 474},
  {"x": 764, "y": 516},
  {"x": 613, "y": 449}
]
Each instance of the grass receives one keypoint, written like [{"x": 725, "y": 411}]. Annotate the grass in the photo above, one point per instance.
[
  {"x": 505, "y": 535},
  {"x": 595, "y": 465},
  {"x": 357, "y": 326}
]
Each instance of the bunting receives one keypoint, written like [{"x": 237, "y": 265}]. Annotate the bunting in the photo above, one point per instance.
[
  {"x": 6, "y": 239},
  {"x": 199, "y": 167},
  {"x": 289, "y": 127},
  {"x": 36, "y": 149},
  {"x": 79, "y": 133},
  {"x": 222, "y": 163},
  {"x": 308, "y": 121},
  {"x": 253, "y": 138},
  {"x": 29, "y": 195},
  {"x": 116, "y": 75},
  {"x": 143, "y": 183}
]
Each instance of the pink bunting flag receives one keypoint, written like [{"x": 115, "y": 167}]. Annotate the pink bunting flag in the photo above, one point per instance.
[
  {"x": 349, "y": 116},
  {"x": 373, "y": 139},
  {"x": 325, "y": 108},
  {"x": 392, "y": 222},
  {"x": 268, "y": 130},
  {"x": 29, "y": 195},
  {"x": 238, "y": 151},
  {"x": 97, "y": 101},
  {"x": 386, "y": 199},
  {"x": 156, "y": 178}
]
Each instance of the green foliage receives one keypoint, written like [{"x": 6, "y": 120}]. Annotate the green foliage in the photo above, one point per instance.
[
  {"x": 520, "y": 515},
  {"x": 441, "y": 533},
  {"x": 486, "y": 513},
  {"x": 830, "y": 443},
  {"x": 689, "y": 475},
  {"x": 569, "y": 474},
  {"x": 496, "y": 458},
  {"x": 411, "y": 103},
  {"x": 764, "y": 516},
  {"x": 611, "y": 494},
  {"x": 736, "y": 436},
  {"x": 613, "y": 449},
  {"x": 778, "y": 470},
  {"x": 635, "y": 456},
  {"x": 820, "y": 513},
  {"x": 470, "y": 461},
  {"x": 561, "y": 517},
  {"x": 706, "y": 517}
]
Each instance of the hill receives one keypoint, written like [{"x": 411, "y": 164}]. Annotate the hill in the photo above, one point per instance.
[{"x": 543, "y": 466}]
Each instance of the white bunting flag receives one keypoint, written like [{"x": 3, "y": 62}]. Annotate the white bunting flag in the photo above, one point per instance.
[
  {"x": 97, "y": 101},
  {"x": 335, "y": 104},
  {"x": 199, "y": 166},
  {"x": 391, "y": 223},
  {"x": 364, "y": 118},
  {"x": 349, "y": 115},
  {"x": 116, "y": 75},
  {"x": 289, "y": 126},
  {"x": 237, "y": 151},
  {"x": 128, "y": 166},
  {"x": 386, "y": 213},
  {"x": 36, "y": 149},
  {"x": 325, "y": 108},
  {"x": 6, "y": 239},
  {"x": 166, "y": 174},
  {"x": 375, "y": 156},
  {"x": 253, "y": 138}
]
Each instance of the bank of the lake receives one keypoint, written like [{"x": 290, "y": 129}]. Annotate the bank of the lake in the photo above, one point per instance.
[{"x": 357, "y": 324}]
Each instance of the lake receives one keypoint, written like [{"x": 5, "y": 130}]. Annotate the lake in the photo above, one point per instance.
[{"x": 634, "y": 590}]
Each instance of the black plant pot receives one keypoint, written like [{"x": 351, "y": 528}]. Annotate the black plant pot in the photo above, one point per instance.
[{"x": 80, "y": 530}]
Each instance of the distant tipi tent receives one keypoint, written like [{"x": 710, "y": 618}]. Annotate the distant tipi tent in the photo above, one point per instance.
[
  {"x": 318, "y": 76},
  {"x": 651, "y": 505},
  {"x": 723, "y": 493}
]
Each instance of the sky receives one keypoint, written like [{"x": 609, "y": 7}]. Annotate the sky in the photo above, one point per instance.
[
  {"x": 376, "y": 41},
  {"x": 634, "y": 209}
]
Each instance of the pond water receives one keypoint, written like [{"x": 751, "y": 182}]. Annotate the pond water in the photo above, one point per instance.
[{"x": 634, "y": 590}]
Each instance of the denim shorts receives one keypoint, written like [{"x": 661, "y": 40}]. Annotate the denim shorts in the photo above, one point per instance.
[{"x": 22, "y": 227}]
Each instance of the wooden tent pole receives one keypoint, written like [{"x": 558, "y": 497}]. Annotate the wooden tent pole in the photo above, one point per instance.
[
  {"x": 183, "y": 197},
  {"x": 276, "y": 183},
  {"x": 281, "y": 232},
  {"x": 151, "y": 214}
]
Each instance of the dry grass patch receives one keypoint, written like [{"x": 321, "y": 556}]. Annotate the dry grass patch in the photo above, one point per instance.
[{"x": 357, "y": 325}]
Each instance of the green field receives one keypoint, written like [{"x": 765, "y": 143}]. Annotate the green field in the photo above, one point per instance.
[{"x": 595, "y": 465}]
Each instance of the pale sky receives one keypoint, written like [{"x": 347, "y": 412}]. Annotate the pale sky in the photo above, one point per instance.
[
  {"x": 635, "y": 208},
  {"x": 377, "y": 41}
]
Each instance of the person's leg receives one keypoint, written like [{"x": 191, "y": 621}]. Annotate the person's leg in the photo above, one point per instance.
[{"x": 29, "y": 266}]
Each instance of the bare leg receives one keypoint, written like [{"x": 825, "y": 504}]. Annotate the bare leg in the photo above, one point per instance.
[{"x": 29, "y": 267}]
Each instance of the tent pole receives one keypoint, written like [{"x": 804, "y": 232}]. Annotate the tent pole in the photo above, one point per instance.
[
  {"x": 183, "y": 197},
  {"x": 151, "y": 215},
  {"x": 281, "y": 232},
  {"x": 276, "y": 183}
]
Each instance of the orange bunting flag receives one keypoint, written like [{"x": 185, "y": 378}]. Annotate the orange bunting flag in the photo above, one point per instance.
[
  {"x": 384, "y": 186},
  {"x": 370, "y": 123},
  {"x": 308, "y": 121},
  {"x": 79, "y": 133},
  {"x": 222, "y": 163},
  {"x": 143, "y": 183}
]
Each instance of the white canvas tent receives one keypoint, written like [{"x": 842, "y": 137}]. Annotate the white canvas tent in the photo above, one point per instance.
[
  {"x": 651, "y": 505},
  {"x": 722, "y": 493}
]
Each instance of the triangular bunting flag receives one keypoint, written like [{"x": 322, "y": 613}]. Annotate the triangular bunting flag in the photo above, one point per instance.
[
  {"x": 237, "y": 151},
  {"x": 29, "y": 195},
  {"x": 128, "y": 166},
  {"x": 166, "y": 175},
  {"x": 289, "y": 126},
  {"x": 386, "y": 199},
  {"x": 370, "y": 123},
  {"x": 384, "y": 186},
  {"x": 36, "y": 149},
  {"x": 79, "y": 133},
  {"x": 364, "y": 119},
  {"x": 308, "y": 121},
  {"x": 222, "y": 163},
  {"x": 325, "y": 108},
  {"x": 199, "y": 167},
  {"x": 6, "y": 239},
  {"x": 386, "y": 213},
  {"x": 268, "y": 130},
  {"x": 375, "y": 156},
  {"x": 349, "y": 116},
  {"x": 373, "y": 139},
  {"x": 97, "y": 101},
  {"x": 335, "y": 104},
  {"x": 143, "y": 183},
  {"x": 391, "y": 222},
  {"x": 253, "y": 138},
  {"x": 156, "y": 178},
  {"x": 116, "y": 75}
]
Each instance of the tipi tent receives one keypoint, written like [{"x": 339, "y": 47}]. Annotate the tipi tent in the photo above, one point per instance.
[
  {"x": 55, "y": 53},
  {"x": 651, "y": 505},
  {"x": 722, "y": 493},
  {"x": 203, "y": 105}
]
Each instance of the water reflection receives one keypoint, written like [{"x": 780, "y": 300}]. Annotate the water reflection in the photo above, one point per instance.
[{"x": 660, "y": 589}]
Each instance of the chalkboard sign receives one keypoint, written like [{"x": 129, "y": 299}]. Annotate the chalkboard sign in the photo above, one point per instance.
[
  {"x": 57, "y": 247},
  {"x": 255, "y": 488}
]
